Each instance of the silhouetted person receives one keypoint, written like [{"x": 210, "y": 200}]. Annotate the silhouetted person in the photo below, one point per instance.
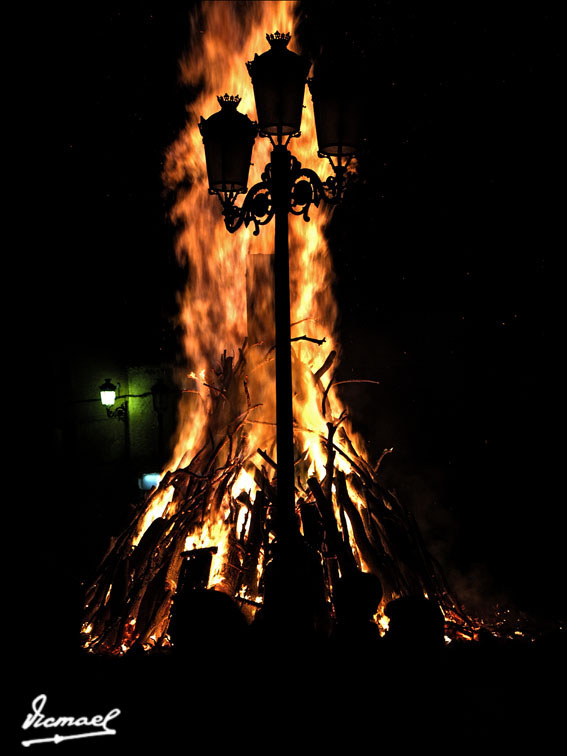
[
  {"x": 294, "y": 607},
  {"x": 416, "y": 625},
  {"x": 206, "y": 622},
  {"x": 356, "y": 600}
]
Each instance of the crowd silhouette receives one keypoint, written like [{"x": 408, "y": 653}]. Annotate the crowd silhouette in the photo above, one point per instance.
[{"x": 295, "y": 616}]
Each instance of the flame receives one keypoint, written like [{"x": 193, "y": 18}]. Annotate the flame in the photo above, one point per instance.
[
  {"x": 229, "y": 297},
  {"x": 383, "y": 623},
  {"x": 213, "y": 306}
]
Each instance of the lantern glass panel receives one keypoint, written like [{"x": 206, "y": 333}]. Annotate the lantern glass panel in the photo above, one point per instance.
[
  {"x": 339, "y": 117},
  {"x": 278, "y": 78},
  {"x": 107, "y": 393},
  {"x": 228, "y": 137}
]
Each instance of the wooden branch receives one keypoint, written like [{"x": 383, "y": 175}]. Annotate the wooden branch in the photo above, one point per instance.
[
  {"x": 312, "y": 523},
  {"x": 147, "y": 545},
  {"x": 155, "y": 593},
  {"x": 303, "y": 320},
  {"x": 355, "y": 380},
  {"x": 374, "y": 504},
  {"x": 327, "y": 515},
  {"x": 381, "y": 457},
  {"x": 362, "y": 473},
  {"x": 248, "y": 402},
  {"x": 260, "y": 422},
  {"x": 325, "y": 366},
  {"x": 325, "y": 396},
  {"x": 261, "y": 480},
  {"x": 241, "y": 356},
  {"x": 346, "y": 557},
  {"x": 331, "y": 540},
  {"x": 309, "y": 338},
  {"x": 249, "y": 602},
  {"x": 330, "y": 466},
  {"x": 342, "y": 417},
  {"x": 336, "y": 547},
  {"x": 343, "y": 435},
  {"x": 249, "y": 575},
  {"x": 267, "y": 458},
  {"x": 214, "y": 388},
  {"x": 371, "y": 558}
]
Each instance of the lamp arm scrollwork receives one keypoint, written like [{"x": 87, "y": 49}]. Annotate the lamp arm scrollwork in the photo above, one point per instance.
[
  {"x": 306, "y": 188},
  {"x": 257, "y": 207},
  {"x": 120, "y": 413}
]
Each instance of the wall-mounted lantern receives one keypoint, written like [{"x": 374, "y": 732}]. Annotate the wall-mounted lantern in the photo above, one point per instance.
[{"x": 108, "y": 394}]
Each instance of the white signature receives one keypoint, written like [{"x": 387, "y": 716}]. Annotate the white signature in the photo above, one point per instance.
[{"x": 38, "y": 719}]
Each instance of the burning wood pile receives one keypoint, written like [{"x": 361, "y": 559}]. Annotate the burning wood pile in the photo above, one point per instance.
[
  {"x": 218, "y": 510},
  {"x": 211, "y": 521}
]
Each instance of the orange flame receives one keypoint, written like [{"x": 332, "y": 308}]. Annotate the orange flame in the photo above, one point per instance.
[
  {"x": 213, "y": 306},
  {"x": 229, "y": 297}
]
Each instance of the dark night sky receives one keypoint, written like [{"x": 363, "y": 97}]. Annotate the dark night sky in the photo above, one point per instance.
[{"x": 443, "y": 250}]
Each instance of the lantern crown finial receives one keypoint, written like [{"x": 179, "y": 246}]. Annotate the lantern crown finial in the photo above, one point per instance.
[
  {"x": 278, "y": 40},
  {"x": 227, "y": 100}
]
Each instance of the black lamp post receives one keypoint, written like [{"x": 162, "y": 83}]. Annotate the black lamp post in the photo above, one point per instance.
[
  {"x": 278, "y": 78},
  {"x": 108, "y": 396}
]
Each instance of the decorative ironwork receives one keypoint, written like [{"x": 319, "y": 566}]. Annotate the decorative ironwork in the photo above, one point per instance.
[
  {"x": 257, "y": 207},
  {"x": 306, "y": 188},
  {"x": 120, "y": 413}
]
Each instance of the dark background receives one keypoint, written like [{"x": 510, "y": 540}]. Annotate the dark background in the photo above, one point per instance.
[{"x": 443, "y": 252}]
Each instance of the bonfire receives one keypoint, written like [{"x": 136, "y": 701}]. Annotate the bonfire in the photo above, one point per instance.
[{"x": 210, "y": 521}]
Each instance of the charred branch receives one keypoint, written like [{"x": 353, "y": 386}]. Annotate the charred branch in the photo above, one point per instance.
[
  {"x": 325, "y": 366},
  {"x": 309, "y": 338},
  {"x": 267, "y": 458}
]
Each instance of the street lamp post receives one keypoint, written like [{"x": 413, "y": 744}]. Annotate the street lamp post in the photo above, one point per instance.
[
  {"x": 108, "y": 396},
  {"x": 278, "y": 78}
]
